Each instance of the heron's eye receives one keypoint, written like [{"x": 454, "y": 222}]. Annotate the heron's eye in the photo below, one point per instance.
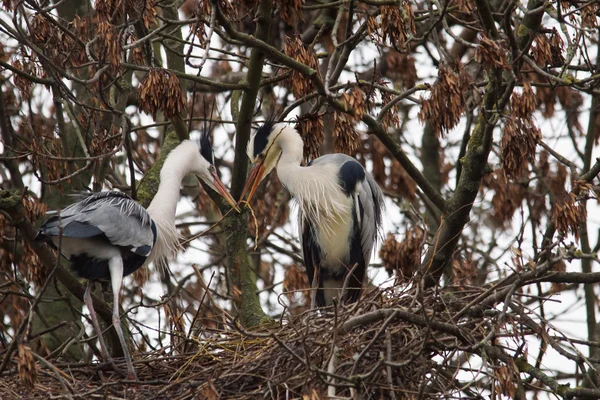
[{"x": 211, "y": 168}]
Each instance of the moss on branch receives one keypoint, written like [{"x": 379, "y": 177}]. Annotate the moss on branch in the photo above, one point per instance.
[
  {"x": 474, "y": 163},
  {"x": 150, "y": 182},
  {"x": 239, "y": 268}
]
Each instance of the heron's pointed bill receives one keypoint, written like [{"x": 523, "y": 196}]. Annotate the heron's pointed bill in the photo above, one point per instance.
[
  {"x": 223, "y": 191},
  {"x": 254, "y": 179}
]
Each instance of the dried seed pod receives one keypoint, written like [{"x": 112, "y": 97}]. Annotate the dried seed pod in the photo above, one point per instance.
[
  {"x": 541, "y": 50},
  {"x": 568, "y": 214},
  {"x": 589, "y": 15},
  {"x": 492, "y": 54},
  {"x": 24, "y": 85},
  {"x": 296, "y": 281},
  {"x": 447, "y": 102},
  {"x": 346, "y": 138},
  {"x": 290, "y": 11},
  {"x": 160, "y": 91},
  {"x": 397, "y": 24},
  {"x": 520, "y": 135},
  {"x": 271, "y": 208},
  {"x": 311, "y": 129},
  {"x": 300, "y": 84},
  {"x": 28, "y": 369},
  {"x": 402, "y": 258},
  {"x": 109, "y": 44},
  {"x": 107, "y": 8},
  {"x": 507, "y": 197},
  {"x": 464, "y": 270}
]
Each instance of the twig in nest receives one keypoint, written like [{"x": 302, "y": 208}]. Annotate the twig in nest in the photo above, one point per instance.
[
  {"x": 194, "y": 237},
  {"x": 255, "y": 223}
]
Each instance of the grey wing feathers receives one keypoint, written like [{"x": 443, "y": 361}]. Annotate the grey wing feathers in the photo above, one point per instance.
[
  {"x": 336, "y": 159},
  {"x": 371, "y": 198},
  {"x": 121, "y": 219}
]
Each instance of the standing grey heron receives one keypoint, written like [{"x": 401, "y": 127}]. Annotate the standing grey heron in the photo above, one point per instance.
[
  {"x": 108, "y": 235},
  {"x": 340, "y": 209}
]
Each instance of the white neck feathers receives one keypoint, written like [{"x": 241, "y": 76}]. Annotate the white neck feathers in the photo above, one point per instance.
[
  {"x": 180, "y": 161},
  {"x": 315, "y": 188},
  {"x": 289, "y": 141}
]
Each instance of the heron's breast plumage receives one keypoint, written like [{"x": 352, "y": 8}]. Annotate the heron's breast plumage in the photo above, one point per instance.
[{"x": 334, "y": 239}]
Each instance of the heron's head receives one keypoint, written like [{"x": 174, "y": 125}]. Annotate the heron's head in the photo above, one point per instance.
[
  {"x": 264, "y": 150},
  {"x": 207, "y": 172}
]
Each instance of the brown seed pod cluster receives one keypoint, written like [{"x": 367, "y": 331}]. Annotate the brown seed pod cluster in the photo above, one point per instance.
[
  {"x": 24, "y": 85},
  {"x": 311, "y": 129},
  {"x": 203, "y": 8},
  {"x": 464, "y": 270},
  {"x": 60, "y": 47},
  {"x": 589, "y": 15},
  {"x": 143, "y": 10},
  {"x": 547, "y": 53},
  {"x": 507, "y": 377},
  {"x": 447, "y": 101},
  {"x": 523, "y": 105},
  {"x": 401, "y": 68},
  {"x": 33, "y": 208},
  {"x": 28, "y": 369},
  {"x": 138, "y": 53},
  {"x": 391, "y": 117},
  {"x": 53, "y": 168},
  {"x": 568, "y": 214},
  {"x": 517, "y": 148},
  {"x": 104, "y": 141},
  {"x": 296, "y": 281},
  {"x": 106, "y": 9},
  {"x": 400, "y": 182},
  {"x": 394, "y": 178},
  {"x": 290, "y": 11},
  {"x": 109, "y": 44},
  {"x": 160, "y": 91},
  {"x": 344, "y": 133},
  {"x": 492, "y": 53},
  {"x": 507, "y": 197},
  {"x": 270, "y": 207},
  {"x": 299, "y": 84},
  {"x": 520, "y": 135},
  {"x": 346, "y": 138},
  {"x": 397, "y": 24},
  {"x": 29, "y": 262},
  {"x": 403, "y": 258}
]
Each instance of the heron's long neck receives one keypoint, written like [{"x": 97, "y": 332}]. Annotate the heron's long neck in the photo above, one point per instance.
[
  {"x": 164, "y": 204},
  {"x": 288, "y": 168}
]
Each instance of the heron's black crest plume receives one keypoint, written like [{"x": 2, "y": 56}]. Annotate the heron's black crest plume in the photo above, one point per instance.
[
  {"x": 206, "y": 149},
  {"x": 262, "y": 136}
]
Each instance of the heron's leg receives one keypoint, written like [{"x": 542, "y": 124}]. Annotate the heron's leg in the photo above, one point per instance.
[
  {"x": 87, "y": 299},
  {"x": 115, "y": 266},
  {"x": 315, "y": 288}
]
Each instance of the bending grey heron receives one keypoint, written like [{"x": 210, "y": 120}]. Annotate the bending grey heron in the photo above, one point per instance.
[
  {"x": 108, "y": 235},
  {"x": 340, "y": 208}
]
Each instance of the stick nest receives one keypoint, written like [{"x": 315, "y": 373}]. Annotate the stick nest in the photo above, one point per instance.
[{"x": 387, "y": 346}]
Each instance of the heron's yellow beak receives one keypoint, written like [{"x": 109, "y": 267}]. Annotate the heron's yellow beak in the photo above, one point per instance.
[
  {"x": 223, "y": 191},
  {"x": 254, "y": 179}
]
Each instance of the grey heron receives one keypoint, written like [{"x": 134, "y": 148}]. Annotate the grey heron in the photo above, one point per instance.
[
  {"x": 108, "y": 235},
  {"x": 340, "y": 209}
]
